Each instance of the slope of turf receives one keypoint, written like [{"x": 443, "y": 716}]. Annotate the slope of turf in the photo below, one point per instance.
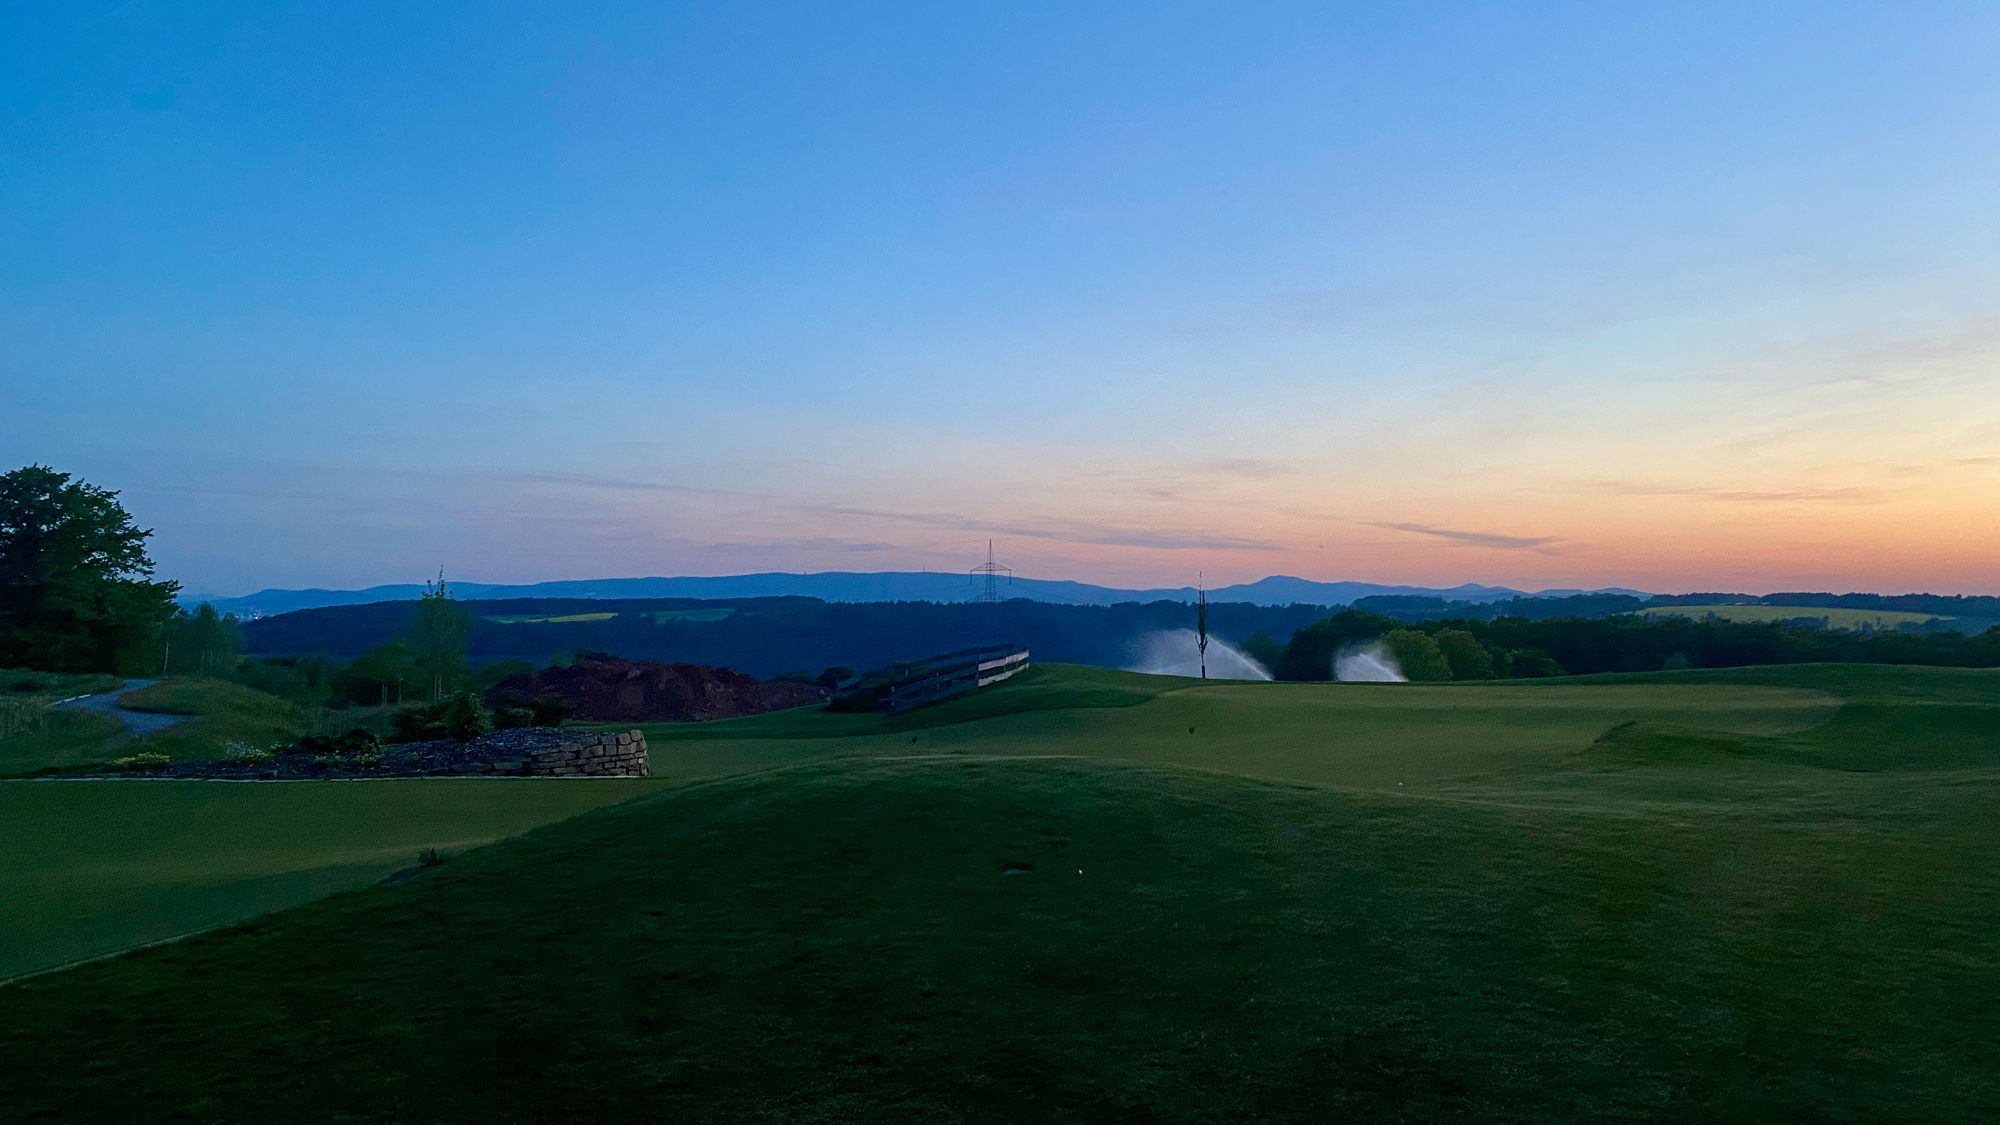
[
  {"x": 1756, "y": 894},
  {"x": 96, "y": 867},
  {"x": 221, "y": 712},
  {"x": 1070, "y": 939},
  {"x": 1356, "y": 734}
]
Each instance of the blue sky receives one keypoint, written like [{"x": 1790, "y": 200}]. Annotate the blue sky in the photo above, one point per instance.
[{"x": 1688, "y": 296}]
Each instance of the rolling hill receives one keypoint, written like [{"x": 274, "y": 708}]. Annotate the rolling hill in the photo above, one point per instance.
[
  {"x": 847, "y": 586},
  {"x": 1086, "y": 896},
  {"x": 1836, "y": 617}
]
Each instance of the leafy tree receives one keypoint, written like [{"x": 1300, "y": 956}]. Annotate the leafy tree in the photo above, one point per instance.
[
  {"x": 379, "y": 676},
  {"x": 75, "y": 588},
  {"x": 486, "y": 677},
  {"x": 202, "y": 643},
  {"x": 1467, "y": 658},
  {"x": 1418, "y": 654},
  {"x": 1532, "y": 663},
  {"x": 438, "y": 639},
  {"x": 1263, "y": 648},
  {"x": 1310, "y": 654}
]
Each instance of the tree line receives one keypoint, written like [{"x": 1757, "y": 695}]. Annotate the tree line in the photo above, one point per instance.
[{"x": 1519, "y": 647}]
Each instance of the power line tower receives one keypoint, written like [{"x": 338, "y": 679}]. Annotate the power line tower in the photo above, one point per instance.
[{"x": 991, "y": 571}]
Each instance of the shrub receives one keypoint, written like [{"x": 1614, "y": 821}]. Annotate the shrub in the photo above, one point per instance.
[
  {"x": 542, "y": 710},
  {"x": 246, "y": 753},
  {"x": 508, "y": 718},
  {"x": 857, "y": 699},
  {"x": 461, "y": 716},
  {"x": 145, "y": 760},
  {"x": 429, "y": 857},
  {"x": 357, "y": 748}
]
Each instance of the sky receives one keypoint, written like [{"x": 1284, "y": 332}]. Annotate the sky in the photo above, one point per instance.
[{"x": 1679, "y": 297}]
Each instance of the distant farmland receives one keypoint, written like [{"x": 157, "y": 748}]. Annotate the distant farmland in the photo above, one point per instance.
[
  {"x": 1835, "y": 618},
  {"x": 545, "y": 619},
  {"x": 657, "y": 616}
]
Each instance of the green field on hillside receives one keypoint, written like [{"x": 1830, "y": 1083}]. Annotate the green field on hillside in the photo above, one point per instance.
[
  {"x": 702, "y": 615},
  {"x": 1750, "y": 894},
  {"x": 221, "y": 712},
  {"x": 1835, "y": 618},
  {"x": 549, "y": 619}
]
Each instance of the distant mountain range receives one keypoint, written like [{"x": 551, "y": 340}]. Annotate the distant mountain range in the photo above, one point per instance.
[{"x": 884, "y": 586}]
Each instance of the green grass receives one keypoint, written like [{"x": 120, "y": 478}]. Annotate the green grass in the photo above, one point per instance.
[
  {"x": 1752, "y": 894},
  {"x": 54, "y": 685},
  {"x": 98, "y": 866},
  {"x": 57, "y": 737},
  {"x": 1835, "y": 618},
  {"x": 550, "y": 619},
  {"x": 34, "y": 734},
  {"x": 1374, "y": 734},
  {"x": 221, "y": 712},
  {"x": 697, "y": 616}
]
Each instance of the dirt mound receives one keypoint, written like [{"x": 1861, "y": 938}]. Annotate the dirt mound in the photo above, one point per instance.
[{"x": 607, "y": 691}]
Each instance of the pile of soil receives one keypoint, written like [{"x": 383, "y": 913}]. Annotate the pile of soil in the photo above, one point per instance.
[{"x": 618, "y": 691}]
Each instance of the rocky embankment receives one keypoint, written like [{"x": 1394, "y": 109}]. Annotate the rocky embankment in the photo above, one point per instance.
[
  {"x": 524, "y": 752},
  {"x": 621, "y": 691}
]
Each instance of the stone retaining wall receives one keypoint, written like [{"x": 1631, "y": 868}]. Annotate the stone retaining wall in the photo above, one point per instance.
[{"x": 611, "y": 754}]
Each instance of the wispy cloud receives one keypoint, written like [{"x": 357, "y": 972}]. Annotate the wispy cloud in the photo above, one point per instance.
[
  {"x": 1064, "y": 531},
  {"x": 1847, "y": 495},
  {"x": 1476, "y": 538},
  {"x": 1055, "y": 530},
  {"x": 615, "y": 484},
  {"x": 1256, "y": 468}
]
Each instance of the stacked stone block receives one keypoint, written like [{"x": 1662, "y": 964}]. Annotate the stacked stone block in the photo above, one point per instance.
[{"x": 611, "y": 754}]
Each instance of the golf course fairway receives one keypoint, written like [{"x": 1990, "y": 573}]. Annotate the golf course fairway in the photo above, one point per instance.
[{"x": 1758, "y": 894}]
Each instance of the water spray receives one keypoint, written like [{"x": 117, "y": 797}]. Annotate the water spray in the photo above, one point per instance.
[
  {"x": 1371, "y": 663},
  {"x": 1178, "y": 652}
]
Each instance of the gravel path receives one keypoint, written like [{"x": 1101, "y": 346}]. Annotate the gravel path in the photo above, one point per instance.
[{"x": 136, "y": 722}]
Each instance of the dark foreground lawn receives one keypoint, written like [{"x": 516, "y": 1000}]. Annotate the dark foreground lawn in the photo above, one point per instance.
[
  {"x": 1170, "y": 947},
  {"x": 1666, "y": 924}
]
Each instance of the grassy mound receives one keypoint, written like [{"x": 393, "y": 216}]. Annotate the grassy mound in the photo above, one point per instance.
[
  {"x": 221, "y": 712},
  {"x": 951, "y": 939},
  {"x": 32, "y": 683},
  {"x": 1697, "y": 897}
]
